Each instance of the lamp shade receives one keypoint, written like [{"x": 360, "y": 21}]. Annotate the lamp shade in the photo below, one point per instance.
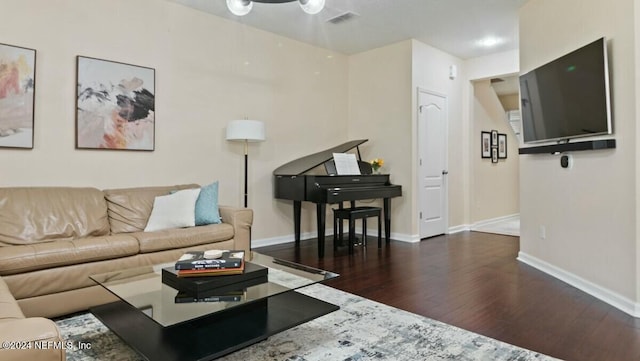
[{"x": 249, "y": 130}]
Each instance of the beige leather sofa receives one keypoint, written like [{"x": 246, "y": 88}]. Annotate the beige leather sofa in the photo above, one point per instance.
[
  {"x": 53, "y": 238},
  {"x": 34, "y": 338}
]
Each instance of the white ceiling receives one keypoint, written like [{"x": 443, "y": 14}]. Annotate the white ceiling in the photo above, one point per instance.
[{"x": 454, "y": 26}]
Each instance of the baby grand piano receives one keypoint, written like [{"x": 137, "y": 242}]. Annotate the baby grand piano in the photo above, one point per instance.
[{"x": 292, "y": 183}]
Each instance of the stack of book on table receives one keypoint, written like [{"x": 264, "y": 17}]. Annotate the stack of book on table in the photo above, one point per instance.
[
  {"x": 210, "y": 263},
  {"x": 200, "y": 277}
]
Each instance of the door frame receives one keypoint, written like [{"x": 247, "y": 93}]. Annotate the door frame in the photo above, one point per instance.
[{"x": 418, "y": 139}]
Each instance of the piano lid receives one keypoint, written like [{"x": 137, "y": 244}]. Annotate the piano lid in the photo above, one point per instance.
[{"x": 305, "y": 164}]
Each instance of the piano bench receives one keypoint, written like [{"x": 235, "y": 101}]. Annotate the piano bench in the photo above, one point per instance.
[{"x": 351, "y": 214}]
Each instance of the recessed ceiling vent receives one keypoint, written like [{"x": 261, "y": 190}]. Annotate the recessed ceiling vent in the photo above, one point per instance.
[{"x": 342, "y": 18}]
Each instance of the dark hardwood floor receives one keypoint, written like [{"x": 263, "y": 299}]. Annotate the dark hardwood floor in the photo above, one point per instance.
[{"x": 472, "y": 280}]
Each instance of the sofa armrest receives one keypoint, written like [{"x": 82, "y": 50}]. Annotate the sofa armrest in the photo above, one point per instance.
[
  {"x": 34, "y": 338},
  {"x": 241, "y": 219}
]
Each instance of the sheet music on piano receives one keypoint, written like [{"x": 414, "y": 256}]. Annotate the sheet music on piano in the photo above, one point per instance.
[{"x": 346, "y": 164}]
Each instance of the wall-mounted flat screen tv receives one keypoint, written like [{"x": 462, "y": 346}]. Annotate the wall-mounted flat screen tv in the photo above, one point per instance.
[{"x": 567, "y": 97}]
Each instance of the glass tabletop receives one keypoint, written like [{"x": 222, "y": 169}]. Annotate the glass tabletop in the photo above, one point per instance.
[{"x": 142, "y": 287}]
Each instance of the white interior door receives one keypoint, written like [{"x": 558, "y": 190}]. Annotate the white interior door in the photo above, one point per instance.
[{"x": 432, "y": 149}]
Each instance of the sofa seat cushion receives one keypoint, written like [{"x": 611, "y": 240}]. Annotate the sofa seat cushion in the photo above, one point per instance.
[
  {"x": 183, "y": 237},
  {"x": 129, "y": 208},
  {"x": 18, "y": 259},
  {"x": 31, "y": 215}
]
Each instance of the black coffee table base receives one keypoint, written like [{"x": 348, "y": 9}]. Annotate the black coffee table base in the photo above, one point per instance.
[{"x": 213, "y": 336}]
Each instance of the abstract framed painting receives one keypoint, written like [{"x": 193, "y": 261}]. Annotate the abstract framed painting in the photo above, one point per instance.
[
  {"x": 115, "y": 105},
  {"x": 17, "y": 96}
]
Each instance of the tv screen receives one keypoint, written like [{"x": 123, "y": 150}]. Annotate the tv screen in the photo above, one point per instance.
[{"x": 567, "y": 97}]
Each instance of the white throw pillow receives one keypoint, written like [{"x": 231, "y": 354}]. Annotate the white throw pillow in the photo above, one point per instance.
[{"x": 173, "y": 211}]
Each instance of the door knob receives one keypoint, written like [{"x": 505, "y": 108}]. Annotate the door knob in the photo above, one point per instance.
[{"x": 444, "y": 172}]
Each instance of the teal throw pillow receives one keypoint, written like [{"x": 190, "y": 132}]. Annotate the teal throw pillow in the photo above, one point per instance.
[{"x": 206, "y": 211}]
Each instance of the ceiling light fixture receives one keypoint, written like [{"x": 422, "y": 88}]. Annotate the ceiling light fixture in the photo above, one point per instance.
[
  {"x": 489, "y": 42},
  {"x": 239, "y": 7},
  {"x": 243, "y": 7},
  {"x": 312, "y": 6}
]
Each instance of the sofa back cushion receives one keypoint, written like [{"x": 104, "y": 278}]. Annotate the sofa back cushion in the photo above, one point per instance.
[
  {"x": 31, "y": 215},
  {"x": 129, "y": 208}
]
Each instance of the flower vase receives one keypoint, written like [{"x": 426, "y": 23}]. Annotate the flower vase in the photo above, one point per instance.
[{"x": 376, "y": 166}]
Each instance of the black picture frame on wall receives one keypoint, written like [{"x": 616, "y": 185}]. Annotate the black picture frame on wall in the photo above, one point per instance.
[
  {"x": 494, "y": 138},
  {"x": 494, "y": 155},
  {"x": 485, "y": 144},
  {"x": 502, "y": 146}
]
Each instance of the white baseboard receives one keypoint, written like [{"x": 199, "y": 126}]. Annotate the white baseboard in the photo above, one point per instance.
[
  {"x": 402, "y": 237},
  {"x": 614, "y": 299},
  {"x": 486, "y": 222},
  {"x": 490, "y": 221},
  {"x": 460, "y": 228},
  {"x": 373, "y": 232},
  {"x": 289, "y": 238},
  {"x": 257, "y": 243}
]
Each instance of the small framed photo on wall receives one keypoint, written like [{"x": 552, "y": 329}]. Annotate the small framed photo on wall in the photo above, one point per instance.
[
  {"x": 485, "y": 144},
  {"x": 494, "y": 155},
  {"x": 502, "y": 146},
  {"x": 494, "y": 138}
]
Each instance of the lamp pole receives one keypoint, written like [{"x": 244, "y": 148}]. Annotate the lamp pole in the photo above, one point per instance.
[{"x": 246, "y": 171}]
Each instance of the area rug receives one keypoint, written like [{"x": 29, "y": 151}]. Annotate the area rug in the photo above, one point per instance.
[{"x": 361, "y": 330}]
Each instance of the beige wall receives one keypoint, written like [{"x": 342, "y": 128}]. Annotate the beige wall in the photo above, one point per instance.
[
  {"x": 493, "y": 65},
  {"x": 637, "y": 154},
  {"x": 208, "y": 71},
  {"x": 496, "y": 185},
  {"x": 383, "y": 87},
  {"x": 380, "y": 110},
  {"x": 477, "y": 69},
  {"x": 431, "y": 73},
  {"x": 590, "y": 210},
  {"x": 510, "y": 101}
]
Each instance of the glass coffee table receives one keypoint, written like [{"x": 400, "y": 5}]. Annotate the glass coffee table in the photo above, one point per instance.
[{"x": 152, "y": 318}]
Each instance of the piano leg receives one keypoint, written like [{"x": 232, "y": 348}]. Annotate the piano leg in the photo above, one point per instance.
[
  {"x": 297, "y": 207},
  {"x": 340, "y": 227},
  {"x": 321, "y": 209},
  {"x": 387, "y": 219}
]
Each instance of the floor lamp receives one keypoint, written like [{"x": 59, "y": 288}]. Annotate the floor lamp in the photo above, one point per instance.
[{"x": 247, "y": 131}]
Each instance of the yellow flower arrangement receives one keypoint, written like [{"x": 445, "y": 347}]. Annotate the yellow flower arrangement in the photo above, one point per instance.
[{"x": 376, "y": 164}]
